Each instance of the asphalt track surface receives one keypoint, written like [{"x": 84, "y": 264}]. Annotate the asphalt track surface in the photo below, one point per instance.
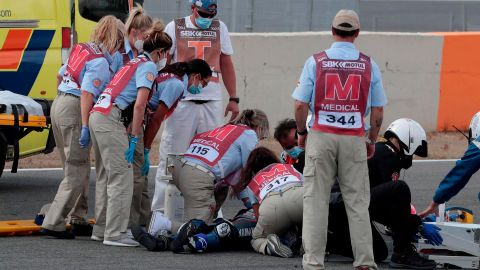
[{"x": 22, "y": 195}]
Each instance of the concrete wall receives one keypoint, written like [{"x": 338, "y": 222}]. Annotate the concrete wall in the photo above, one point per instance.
[{"x": 268, "y": 67}]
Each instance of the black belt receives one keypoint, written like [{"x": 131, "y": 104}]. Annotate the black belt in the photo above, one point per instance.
[
  {"x": 61, "y": 93},
  {"x": 199, "y": 101}
]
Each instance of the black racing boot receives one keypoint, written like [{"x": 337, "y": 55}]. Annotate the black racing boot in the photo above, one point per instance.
[
  {"x": 81, "y": 228},
  {"x": 58, "y": 234},
  {"x": 159, "y": 243},
  {"x": 189, "y": 229},
  {"x": 410, "y": 259}
]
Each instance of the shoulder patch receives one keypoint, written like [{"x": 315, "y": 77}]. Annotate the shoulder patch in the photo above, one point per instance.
[
  {"x": 150, "y": 77},
  {"x": 96, "y": 82}
]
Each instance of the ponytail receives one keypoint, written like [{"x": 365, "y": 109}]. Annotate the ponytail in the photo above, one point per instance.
[
  {"x": 138, "y": 19},
  {"x": 157, "y": 38},
  {"x": 258, "y": 159},
  {"x": 109, "y": 33}
]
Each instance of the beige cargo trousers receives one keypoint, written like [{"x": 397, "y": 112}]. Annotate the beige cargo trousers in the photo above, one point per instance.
[
  {"x": 72, "y": 193},
  {"x": 330, "y": 157}
]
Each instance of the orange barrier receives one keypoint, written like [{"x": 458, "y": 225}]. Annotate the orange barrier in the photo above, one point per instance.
[{"x": 459, "y": 80}]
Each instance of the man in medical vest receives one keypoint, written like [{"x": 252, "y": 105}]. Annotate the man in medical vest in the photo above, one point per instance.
[
  {"x": 198, "y": 35},
  {"x": 340, "y": 86}
]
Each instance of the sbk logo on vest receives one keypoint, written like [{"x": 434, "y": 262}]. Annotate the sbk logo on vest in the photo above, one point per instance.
[
  {"x": 211, "y": 146},
  {"x": 199, "y": 34},
  {"x": 343, "y": 64}
]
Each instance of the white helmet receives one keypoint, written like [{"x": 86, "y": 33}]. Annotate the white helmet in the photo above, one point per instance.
[
  {"x": 474, "y": 129},
  {"x": 411, "y": 135}
]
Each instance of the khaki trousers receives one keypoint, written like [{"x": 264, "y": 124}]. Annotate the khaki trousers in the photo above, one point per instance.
[
  {"x": 140, "y": 209},
  {"x": 72, "y": 193},
  {"x": 197, "y": 188},
  {"x": 114, "y": 189},
  {"x": 329, "y": 156},
  {"x": 278, "y": 213}
]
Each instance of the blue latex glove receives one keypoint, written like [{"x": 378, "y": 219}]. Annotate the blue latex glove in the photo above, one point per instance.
[
  {"x": 131, "y": 150},
  {"x": 146, "y": 163},
  {"x": 430, "y": 232},
  {"x": 84, "y": 137}
]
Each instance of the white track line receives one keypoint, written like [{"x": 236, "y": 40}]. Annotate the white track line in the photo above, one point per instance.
[{"x": 59, "y": 169}]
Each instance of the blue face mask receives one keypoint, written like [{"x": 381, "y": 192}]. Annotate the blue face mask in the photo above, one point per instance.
[
  {"x": 203, "y": 23},
  {"x": 195, "y": 89},
  {"x": 294, "y": 152}
]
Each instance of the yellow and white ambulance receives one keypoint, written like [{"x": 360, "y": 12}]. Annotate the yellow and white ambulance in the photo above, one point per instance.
[{"x": 35, "y": 39}]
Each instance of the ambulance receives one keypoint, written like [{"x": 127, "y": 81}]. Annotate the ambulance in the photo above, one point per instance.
[{"x": 35, "y": 40}]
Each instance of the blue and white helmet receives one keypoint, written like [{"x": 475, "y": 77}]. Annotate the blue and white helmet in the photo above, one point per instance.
[{"x": 209, "y": 6}]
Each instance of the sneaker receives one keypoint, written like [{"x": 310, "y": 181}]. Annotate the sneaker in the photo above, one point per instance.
[
  {"x": 58, "y": 234},
  {"x": 276, "y": 248},
  {"x": 97, "y": 238},
  {"x": 124, "y": 241},
  {"x": 411, "y": 259},
  {"x": 180, "y": 244},
  {"x": 148, "y": 241}
]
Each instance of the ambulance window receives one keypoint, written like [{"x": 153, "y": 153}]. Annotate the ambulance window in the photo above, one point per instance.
[{"x": 94, "y": 10}]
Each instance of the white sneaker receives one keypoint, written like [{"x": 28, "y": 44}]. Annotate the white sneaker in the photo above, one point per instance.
[
  {"x": 159, "y": 223},
  {"x": 124, "y": 241},
  {"x": 96, "y": 238}
]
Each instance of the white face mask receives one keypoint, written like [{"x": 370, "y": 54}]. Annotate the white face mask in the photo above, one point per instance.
[
  {"x": 138, "y": 44},
  {"x": 161, "y": 64}
]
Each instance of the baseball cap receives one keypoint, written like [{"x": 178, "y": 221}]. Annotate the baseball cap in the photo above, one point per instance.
[
  {"x": 346, "y": 20},
  {"x": 209, "y": 6}
]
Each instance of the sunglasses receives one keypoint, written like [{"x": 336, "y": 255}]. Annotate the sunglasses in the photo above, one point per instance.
[{"x": 204, "y": 14}]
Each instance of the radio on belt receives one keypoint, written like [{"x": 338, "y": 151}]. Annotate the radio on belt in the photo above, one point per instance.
[{"x": 460, "y": 248}]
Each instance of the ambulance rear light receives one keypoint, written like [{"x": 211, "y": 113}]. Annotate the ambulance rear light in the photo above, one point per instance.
[
  {"x": 66, "y": 37},
  {"x": 66, "y": 43}
]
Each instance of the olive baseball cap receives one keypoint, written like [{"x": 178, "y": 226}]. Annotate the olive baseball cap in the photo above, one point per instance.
[{"x": 346, "y": 20}]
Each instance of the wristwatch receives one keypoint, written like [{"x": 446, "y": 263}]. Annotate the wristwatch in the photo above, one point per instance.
[
  {"x": 368, "y": 141},
  {"x": 235, "y": 99},
  {"x": 302, "y": 133}
]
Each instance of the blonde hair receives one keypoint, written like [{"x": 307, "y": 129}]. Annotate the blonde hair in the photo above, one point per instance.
[
  {"x": 157, "y": 38},
  {"x": 138, "y": 19},
  {"x": 104, "y": 33},
  {"x": 255, "y": 119}
]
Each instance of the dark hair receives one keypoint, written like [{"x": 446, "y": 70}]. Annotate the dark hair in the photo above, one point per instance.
[
  {"x": 258, "y": 159},
  {"x": 283, "y": 128},
  {"x": 343, "y": 33},
  {"x": 192, "y": 66},
  {"x": 157, "y": 38}
]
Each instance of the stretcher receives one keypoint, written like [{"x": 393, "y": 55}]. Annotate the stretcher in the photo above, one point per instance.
[
  {"x": 24, "y": 227},
  {"x": 460, "y": 248},
  {"x": 19, "y": 116}
]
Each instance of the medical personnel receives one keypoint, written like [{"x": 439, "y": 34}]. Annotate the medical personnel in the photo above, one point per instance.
[
  {"x": 278, "y": 191},
  {"x": 286, "y": 135},
  {"x": 198, "y": 35},
  {"x": 136, "y": 27},
  {"x": 89, "y": 68},
  {"x": 459, "y": 175},
  {"x": 342, "y": 85},
  {"x": 211, "y": 165},
  {"x": 390, "y": 202},
  {"x": 172, "y": 81},
  {"x": 113, "y": 146}
]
